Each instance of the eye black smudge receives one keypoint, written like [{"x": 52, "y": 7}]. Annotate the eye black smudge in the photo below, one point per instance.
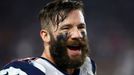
[
  {"x": 83, "y": 34},
  {"x": 62, "y": 36}
]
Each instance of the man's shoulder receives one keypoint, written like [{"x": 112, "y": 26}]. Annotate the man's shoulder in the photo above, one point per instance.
[
  {"x": 21, "y": 67},
  {"x": 89, "y": 66},
  {"x": 20, "y": 63}
]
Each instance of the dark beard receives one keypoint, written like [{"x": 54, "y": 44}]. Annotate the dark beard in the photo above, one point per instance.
[{"x": 58, "y": 51}]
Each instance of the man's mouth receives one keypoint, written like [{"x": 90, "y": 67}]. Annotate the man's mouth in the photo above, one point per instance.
[
  {"x": 74, "y": 50},
  {"x": 74, "y": 47}
]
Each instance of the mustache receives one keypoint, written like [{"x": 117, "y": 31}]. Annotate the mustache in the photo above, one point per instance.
[{"x": 76, "y": 42}]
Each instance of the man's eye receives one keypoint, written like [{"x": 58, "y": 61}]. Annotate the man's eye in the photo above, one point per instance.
[
  {"x": 65, "y": 28},
  {"x": 81, "y": 27}
]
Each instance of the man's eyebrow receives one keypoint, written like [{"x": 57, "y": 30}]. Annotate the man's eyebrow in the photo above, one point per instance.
[
  {"x": 82, "y": 24},
  {"x": 69, "y": 25},
  {"x": 66, "y": 25}
]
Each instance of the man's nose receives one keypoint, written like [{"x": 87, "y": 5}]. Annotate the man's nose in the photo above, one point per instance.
[{"x": 75, "y": 33}]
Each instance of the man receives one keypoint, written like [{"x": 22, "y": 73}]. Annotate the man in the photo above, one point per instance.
[{"x": 63, "y": 31}]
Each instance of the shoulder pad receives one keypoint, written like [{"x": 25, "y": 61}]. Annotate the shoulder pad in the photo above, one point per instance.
[
  {"x": 12, "y": 71},
  {"x": 24, "y": 65}
]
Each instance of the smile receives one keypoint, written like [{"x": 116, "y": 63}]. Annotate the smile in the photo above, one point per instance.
[{"x": 74, "y": 47}]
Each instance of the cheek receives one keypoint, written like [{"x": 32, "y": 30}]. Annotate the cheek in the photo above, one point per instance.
[
  {"x": 84, "y": 34},
  {"x": 62, "y": 36}
]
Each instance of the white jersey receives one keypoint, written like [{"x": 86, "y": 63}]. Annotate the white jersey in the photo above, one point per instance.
[{"x": 42, "y": 66}]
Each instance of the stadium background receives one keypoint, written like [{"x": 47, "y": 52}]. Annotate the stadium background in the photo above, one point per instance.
[{"x": 110, "y": 29}]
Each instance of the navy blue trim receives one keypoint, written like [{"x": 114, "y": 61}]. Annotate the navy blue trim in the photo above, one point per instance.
[
  {"x": 64, "y": 72},
  {"x": 26, "y": 67},
  {"x": 93, "y": 66}
]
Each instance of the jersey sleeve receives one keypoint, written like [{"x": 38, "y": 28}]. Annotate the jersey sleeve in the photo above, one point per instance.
[
  {"x": 12, "y": 71},
  {"x": 20, "y": 68}
]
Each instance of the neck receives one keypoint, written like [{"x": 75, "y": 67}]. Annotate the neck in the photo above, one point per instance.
[{"x": 46, "y": 54}]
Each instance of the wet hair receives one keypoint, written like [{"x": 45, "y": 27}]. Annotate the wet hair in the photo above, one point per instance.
[{"x": 55, "y": 12}]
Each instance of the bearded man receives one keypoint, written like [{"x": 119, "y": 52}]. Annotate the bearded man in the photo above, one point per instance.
[{"x": 63, "y": 31}]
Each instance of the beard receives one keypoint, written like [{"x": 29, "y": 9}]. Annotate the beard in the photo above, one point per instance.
[{"x": 58, "y": 51}]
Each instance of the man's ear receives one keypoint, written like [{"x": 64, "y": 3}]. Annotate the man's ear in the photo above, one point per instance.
[{"x": 45, "y": 35}]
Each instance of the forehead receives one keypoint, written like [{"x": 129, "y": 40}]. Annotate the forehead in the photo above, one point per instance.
[{"x": 75, "y": 17}]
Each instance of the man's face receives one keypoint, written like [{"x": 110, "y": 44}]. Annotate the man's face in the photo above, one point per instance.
[{"x": 69, "y": 41}]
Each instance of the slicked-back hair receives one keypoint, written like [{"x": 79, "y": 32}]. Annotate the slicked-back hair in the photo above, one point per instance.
[{"x": 55, "y": 12}]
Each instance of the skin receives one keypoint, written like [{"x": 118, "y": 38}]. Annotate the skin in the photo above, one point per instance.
[{"x": 73, "y": 27}]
